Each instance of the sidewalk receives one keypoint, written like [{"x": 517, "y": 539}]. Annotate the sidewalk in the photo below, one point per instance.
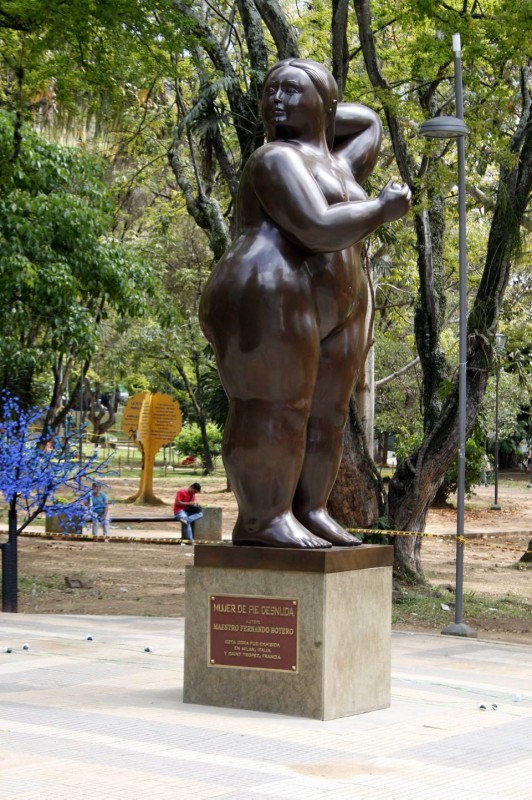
[{"x": 103, "y": 719}]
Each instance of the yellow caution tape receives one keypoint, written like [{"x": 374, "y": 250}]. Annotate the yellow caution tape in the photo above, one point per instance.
[
  {"x": 449, "y": 537},
  {"x": 83, "y": 537}
]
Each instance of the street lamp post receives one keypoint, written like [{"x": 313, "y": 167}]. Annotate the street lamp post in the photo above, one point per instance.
[
  {"x": 500, "y": 344},
  {"x": 455, "y": 128}
]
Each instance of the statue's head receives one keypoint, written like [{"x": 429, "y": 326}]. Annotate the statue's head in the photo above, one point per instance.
[{"x": 320, "y": 78}]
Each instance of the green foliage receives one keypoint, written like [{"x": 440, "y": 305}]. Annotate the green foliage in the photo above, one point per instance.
[
  {"x": 406, "y": 441},
  {"x": 189, "y": 442},
  {"x": 475, "y": 459},
  {"x": 166, "y": 351},
  {"x": 513, "y": 396},
  {"x": 60, "y": 269}
]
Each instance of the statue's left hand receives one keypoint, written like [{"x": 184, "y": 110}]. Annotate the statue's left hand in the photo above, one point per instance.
[{"x": 395, "y": 200}]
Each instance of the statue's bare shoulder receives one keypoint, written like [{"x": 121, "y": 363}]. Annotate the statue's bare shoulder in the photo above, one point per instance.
[{"x": 274, "y": 159}]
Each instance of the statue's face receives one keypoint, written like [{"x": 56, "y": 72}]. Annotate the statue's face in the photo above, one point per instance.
[{"x": 291, "y": 104}]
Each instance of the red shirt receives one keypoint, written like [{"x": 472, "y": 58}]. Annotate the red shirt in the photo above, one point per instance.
[{"x": 183, "y": 496}]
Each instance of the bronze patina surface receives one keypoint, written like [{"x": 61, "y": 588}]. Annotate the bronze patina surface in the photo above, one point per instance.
[
  {"x": 285, "y": 307},
  {"x": 334, "y": 559}
]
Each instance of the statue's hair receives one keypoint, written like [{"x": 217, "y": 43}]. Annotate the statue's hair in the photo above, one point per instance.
[{"x": 324, "y": 83}]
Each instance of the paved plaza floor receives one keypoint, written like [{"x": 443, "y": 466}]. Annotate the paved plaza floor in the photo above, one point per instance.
[{"x": 102, "y": 718}]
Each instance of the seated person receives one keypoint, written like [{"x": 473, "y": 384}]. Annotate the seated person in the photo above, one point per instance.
[
  {"x": 186, "y": 510},
  {"x": 99, "y": 508}
]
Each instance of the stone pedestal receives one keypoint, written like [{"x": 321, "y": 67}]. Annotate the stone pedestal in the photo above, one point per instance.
[
  {"x": 209, "y": 527},
  {"x": 304, "y": 633}
]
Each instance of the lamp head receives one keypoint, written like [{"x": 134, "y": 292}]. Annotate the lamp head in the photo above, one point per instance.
[{"x": 443, "y": 128}]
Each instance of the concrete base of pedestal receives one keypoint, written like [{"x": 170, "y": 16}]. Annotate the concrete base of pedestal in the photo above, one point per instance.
[
  {"x": 60, "y": 523},
  {"x": 343, "y": 598}
]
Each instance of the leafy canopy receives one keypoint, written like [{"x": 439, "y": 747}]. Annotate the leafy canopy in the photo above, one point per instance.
[
  {"x": 59, "y": 267},
  {"x": 189, "y": 441}
]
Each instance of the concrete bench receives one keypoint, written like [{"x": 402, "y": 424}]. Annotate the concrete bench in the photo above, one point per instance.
[
  {"x": 206, "y": 529},
  {"x": 209, "y": 527},
  {"x": 60, "y": 523}
]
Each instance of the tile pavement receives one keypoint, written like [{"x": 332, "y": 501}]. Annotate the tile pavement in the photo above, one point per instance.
[{"x": 102, "y": 719}]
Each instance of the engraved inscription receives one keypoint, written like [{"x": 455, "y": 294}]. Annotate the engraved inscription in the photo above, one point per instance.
[{"x": 253, "y": 632}]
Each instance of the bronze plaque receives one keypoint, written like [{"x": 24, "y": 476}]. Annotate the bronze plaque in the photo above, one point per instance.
[{"x": 253, "y": 632}]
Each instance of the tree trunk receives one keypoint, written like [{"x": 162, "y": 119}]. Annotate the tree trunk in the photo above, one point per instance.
[
  {"x": 526, "y": 558},
  {"x": 340, "y": 49},
  {"x": 208, "y": 462},
  {"x": 196, "y": 396},
  {"x": 364, "y": 393},
  {"x": 100, "y": 417},
  {"x": 365, "y": 400},
  {"x": 283, "y": 34},
  {"x": 357, "y": 499}
]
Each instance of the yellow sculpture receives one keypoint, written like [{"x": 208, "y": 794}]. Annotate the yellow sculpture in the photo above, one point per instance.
[{"x": 150, "y": 421}]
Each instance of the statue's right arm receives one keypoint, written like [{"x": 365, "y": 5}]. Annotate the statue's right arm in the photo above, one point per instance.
[{"x": 291, "y": 197}]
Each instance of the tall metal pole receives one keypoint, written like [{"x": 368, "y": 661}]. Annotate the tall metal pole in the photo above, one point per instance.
[
  {"x": 459, "y": 628},
  {"x": 462, "y": 376},
  {"x": 455, "y": 128}
]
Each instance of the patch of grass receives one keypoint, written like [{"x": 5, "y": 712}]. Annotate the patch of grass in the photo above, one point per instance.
[
  {"x": 26, "y": 584},
  {"x": 178, "y": 477},
  {"x": 424, "y": 607},
  {"x": 510, "y": 605}
]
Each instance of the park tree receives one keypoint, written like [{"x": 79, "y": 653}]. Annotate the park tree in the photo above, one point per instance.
[
  {"x": 61, "y": 268},
  {"x": 101, "y": 406},
  {"x": 166, "y": 350},
  {"x": 64, "y": 76},
  {"x": 189, "y": 442}
]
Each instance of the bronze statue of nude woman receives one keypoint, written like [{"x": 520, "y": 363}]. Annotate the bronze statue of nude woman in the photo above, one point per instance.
[{"x": 285, "y": 306}]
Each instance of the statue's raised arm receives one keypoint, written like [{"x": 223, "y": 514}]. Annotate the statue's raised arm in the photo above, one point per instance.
[{"x": 357, "y": 138}]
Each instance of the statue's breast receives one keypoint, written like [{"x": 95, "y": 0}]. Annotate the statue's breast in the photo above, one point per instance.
[{"x": 336, "y": 181}]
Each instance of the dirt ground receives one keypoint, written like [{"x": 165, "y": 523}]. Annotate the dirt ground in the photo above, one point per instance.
[{"x": 147, "y": 578}]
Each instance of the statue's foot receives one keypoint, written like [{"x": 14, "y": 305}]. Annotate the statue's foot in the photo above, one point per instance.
[
  {"x": 321, "y": 524},
  {"x": 281, "y": 531}
]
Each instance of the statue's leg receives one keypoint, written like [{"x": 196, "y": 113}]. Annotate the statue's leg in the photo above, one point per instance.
[
  {"x": 339, "y": 362},
  {"x": 268, "y": 356},
  {"x": 263, "y": 451}
]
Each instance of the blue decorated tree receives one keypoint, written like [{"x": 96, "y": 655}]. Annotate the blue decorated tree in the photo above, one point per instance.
[{"x": 39, "y": 472}]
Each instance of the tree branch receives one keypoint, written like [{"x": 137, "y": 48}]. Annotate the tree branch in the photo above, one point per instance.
[
  {"x": 283, "y": 34},
  {"x": 397, "y": 373},
  {"x": 376, "y": 76},
  {"x": 339, "y": 46}
]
